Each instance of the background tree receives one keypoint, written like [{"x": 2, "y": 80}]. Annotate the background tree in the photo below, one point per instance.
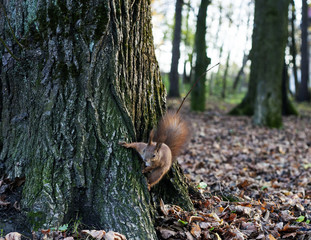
[
  {"x": 174, "y": 75},
  {"x": 188, "y": 40},
  {"x": 87, "y": 78},
  {"x": 292, "y": 45},
  {"x": 245, "y": 54},
  {"x": 201, "y": 60},
  {"x": 264, "y": 96},
  {"x": 303, "y": 91}
]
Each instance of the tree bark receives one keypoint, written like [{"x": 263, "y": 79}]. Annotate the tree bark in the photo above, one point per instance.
[
  {"x": 174, "y": 75},
  {"x": 201, "y": 60},
  {"x": 269, "y": 65},
  {"x": 303, "y": 92},
  {"x": 264, "y": 96},
  {"x": 87, "y": 79}
]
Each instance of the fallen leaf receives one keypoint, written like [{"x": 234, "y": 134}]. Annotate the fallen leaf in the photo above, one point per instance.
[
  {"x": 13, "y": 236},
  {"x": 98, "y": 234},
  {"x": 195, "y": 230},
  {"x": 195, "y": 218},
  {"x": 114, "y": 236},
  {"x": 163, "y": 208}
]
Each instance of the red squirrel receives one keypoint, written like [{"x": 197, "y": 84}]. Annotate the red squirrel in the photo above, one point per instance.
[{"x": 170, "y": 136}]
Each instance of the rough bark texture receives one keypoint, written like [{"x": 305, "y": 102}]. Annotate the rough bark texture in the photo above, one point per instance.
[
  {"x": 87, "y": 79},
  {"x": 264, "y": 96},
  {"x": 174, "y": 75},
  {"x": 303, "y": 92},
  {"x": 201, "y": 61},
  {"x": 271, "y": 23}
]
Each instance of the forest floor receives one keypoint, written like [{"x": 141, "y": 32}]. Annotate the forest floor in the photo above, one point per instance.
[{"x": 255, "y": 182}]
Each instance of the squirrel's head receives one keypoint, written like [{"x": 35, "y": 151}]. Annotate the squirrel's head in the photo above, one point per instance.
[{"x": 151, "y": 152}]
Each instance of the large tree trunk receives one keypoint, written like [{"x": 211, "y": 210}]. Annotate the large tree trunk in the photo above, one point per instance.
[
  {"x": 303, "y": 92},
  {"x": 174, "y": 75},
  {"x": 87, "y": 78},
  {"x": 201, "y": 61},
  {"x": 264, "y": 96},
  {"x": 271, "y": 42}
]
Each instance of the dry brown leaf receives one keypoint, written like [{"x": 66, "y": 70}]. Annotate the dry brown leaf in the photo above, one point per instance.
[
  {"x": 195, "y": 218},
  {"x": 45, "y": 231},
  {"x": 98, "y": 234},
  {"x": 271, "y": 237},
  {"x": 114, "y": 236},
  {"x": 205, "y": 225},
  {"x": 189, "y": 236},
  {"x": 195, "y": 230},
  {"x": 218, "y": 238},
  {"x": 163, "y": 208},
  {"x": 13, "y": 236},
  {"x": 166, "y": 233}
]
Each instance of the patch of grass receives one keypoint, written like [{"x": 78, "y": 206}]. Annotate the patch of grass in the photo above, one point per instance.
[{"x": 304, "y": 108}]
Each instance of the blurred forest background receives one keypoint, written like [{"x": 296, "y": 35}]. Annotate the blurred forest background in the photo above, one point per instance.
[{"x": 229, "y": 35}]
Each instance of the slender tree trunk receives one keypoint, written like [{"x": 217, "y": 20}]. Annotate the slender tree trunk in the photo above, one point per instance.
[
  {"x": 293, "y": 48},
  {"x": 87, "y": 79},
  {"x": 241, "y": 71},
  {"x": 174, "y": 75},
  {"x": 216, "y": 81},
  {"x": 287, "y": 106},
  {"x": 303, "y": 92},
  {"x": 188, "y": 43},
  {"x": 211, "y": 84},
  {"x": 202, "y": 61},
  {"x": 244, "y": 61},
  {"x": 224, "y": 79}
]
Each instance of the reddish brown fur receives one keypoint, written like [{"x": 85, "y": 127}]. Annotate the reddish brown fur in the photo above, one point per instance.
[
  {"x": 171, "y": 135},
  {"x": 173, "y": 131}
]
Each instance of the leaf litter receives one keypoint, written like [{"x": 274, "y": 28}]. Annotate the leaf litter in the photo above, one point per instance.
[{"x": 255, "y": 182}]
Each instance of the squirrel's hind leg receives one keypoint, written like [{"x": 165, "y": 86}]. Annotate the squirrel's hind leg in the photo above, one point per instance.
[{"x": 156, "y": 176}]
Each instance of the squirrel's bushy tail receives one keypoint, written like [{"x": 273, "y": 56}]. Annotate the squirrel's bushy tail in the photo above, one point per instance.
[{"x": 173, "y": 131}]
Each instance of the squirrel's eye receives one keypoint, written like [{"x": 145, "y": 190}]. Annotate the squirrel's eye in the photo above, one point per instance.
[{"x": 153, "y": 156}]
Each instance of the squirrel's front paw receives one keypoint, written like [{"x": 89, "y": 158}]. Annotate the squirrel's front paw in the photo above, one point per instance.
[{"x": 123, "y": 144}]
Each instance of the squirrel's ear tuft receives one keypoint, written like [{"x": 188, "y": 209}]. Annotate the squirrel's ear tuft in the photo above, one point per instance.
[
  {"x": 158, "y": 146},
  {"x": 150, "y": 137}
]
